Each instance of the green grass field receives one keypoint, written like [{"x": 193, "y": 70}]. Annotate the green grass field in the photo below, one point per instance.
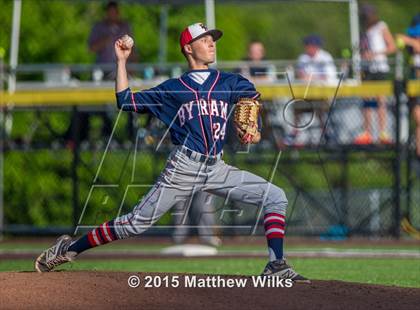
[
  {"x": 403, "y": 272},
  {"x": 398, "y": 272}
]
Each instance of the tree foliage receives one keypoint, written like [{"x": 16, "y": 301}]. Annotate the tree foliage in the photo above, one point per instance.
[{"x": 57, "y": 31}]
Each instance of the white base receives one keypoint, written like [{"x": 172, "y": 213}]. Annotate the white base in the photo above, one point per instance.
[{"x": 190, "y": 250}]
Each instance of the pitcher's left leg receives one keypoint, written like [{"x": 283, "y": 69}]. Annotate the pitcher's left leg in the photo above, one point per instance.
[{"x": 242, "y": 186}]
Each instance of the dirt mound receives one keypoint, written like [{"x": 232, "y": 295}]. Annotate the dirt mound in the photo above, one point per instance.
[{"x": 107, "y": 290}]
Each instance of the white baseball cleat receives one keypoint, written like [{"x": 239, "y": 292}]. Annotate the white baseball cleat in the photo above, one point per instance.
[{"x": 55, "y": 255}]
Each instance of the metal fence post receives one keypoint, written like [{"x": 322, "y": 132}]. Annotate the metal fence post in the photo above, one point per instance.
[
  {"x": 75, "y": 164},
  {"x": 2, "y": 142},
  {"x": 409, "y": 178},
  {"x": 344, "y": 187},
  {"x": 399, "y": 88}
]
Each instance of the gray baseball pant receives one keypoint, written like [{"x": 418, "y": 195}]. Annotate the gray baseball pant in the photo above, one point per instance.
[{"x": 182, "y": 177}]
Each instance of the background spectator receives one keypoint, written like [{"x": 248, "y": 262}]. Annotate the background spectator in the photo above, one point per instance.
[
  {"x": 106, "y": 32},
  {"x": 101, "y": 42},
  {"x": 315, "y": 65},
  {"x": 257, "y": 70},
  {"x": 376, "y": 44},
  {"x": 201, "y": 213},
  {"x": 412, "y": 41}
]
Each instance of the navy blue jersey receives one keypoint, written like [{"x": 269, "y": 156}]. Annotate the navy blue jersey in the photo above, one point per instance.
[{"x": 195, "y": 114}]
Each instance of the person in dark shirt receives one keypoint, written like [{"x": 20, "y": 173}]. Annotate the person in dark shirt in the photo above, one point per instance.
[
  {"x": 101, "y": 42},
  {"x": 256, "y": 70},
  {"x": 105, "y": 32}
]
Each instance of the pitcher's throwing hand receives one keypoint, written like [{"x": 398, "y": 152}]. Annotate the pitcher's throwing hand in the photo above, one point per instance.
[{"x": 123, "y": 47}]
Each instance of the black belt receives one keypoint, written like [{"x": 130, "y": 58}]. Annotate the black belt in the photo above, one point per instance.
[{"x": 209, "y": 160}]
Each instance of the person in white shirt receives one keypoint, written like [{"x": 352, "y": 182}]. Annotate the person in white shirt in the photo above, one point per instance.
[
  {"x": 314, "y": 66},
  {"x": 376, "y": 43}
]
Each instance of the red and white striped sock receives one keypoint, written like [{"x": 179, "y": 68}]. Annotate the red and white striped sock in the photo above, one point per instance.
[
  {"x": 101, "y": 235},
  {"x": 274, "y": 225}
]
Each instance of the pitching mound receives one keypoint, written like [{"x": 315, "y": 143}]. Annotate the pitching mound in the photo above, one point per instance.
[{"x": 106, "y": 290}]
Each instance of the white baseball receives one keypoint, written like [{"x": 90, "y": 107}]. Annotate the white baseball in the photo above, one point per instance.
[{"x": 127, "y": 42}]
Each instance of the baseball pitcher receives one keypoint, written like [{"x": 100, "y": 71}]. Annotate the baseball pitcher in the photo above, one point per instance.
[{"x": 195, "y": 107}]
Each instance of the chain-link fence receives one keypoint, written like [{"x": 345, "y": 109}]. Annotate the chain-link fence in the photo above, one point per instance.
[
  {"x": 70, "y": 159},
  {"x": 81, "y": 165}
]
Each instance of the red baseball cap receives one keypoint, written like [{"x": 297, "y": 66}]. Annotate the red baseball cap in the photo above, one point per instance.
[{"x": 196, "y": 31}]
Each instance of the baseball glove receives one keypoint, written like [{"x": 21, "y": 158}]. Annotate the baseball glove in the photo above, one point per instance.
[{"x": 246, "y": 120}]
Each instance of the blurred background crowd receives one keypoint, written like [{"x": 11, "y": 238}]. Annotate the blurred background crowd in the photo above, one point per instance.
[{"x": 296, "y": 53}]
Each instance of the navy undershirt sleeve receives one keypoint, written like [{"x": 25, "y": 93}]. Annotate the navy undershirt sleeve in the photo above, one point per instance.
[{"x": 146, "y": 101}]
